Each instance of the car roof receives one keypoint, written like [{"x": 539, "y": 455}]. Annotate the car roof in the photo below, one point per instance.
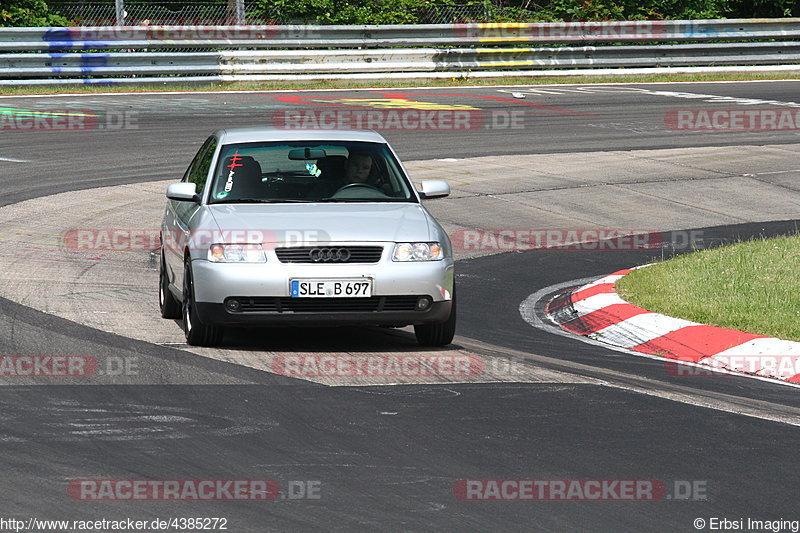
[{"x": 270, "y": 133}]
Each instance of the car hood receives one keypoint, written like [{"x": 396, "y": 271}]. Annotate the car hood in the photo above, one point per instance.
[{"x": 335, "y": 222}]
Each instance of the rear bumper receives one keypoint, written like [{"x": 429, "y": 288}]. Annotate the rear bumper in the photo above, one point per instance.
[{"x": 218, "y": 314}]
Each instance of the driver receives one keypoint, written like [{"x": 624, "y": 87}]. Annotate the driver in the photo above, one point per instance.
[{"x": 357, "y": 168}]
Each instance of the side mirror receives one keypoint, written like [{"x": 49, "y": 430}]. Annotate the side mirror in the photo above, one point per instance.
[
  {"x": 183, "y": 192},
  {"x": 434, "y": 188}
]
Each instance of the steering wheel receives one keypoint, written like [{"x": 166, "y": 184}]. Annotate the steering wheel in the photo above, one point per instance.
[{"x": 352, "y": 185}]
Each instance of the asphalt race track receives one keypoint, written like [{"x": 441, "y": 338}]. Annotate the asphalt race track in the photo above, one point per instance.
[{"x": 394, "y": 458}]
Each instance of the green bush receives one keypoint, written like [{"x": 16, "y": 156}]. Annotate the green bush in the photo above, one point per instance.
[
  {"x": 661, "y": 9},
  {"x": 37, "y": 13},
  {"x": 344, "y": 11},
  {"x": 28, "y": 13},
  {"x": 416, "y": 11},
  {"x": 632, "y": 9}
]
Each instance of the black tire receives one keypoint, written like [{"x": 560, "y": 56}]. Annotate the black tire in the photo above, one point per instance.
[
  {"x": 438, "y": 334},
  {"x": 197, "y": 332},
  {"x": 169, "y": 305}
]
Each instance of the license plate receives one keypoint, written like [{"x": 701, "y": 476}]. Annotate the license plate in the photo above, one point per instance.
[{"x": 340, "y": 288}]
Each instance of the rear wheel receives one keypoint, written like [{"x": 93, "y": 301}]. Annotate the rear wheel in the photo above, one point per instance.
[
  {"x": 438, "y": 334},
  {"x": 197, "y": 332},
  {"x": 170, "y": 307}
]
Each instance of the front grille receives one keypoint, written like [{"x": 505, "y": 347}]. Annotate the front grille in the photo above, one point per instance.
[
  {"x": 302, "y": 254},
  {"x": 267, "y": 304}
]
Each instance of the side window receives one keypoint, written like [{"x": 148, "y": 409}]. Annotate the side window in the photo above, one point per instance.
[
  {"x": 196, "y": 160},
  {"x": 199, "y": 174},
  {"x": 198, "y": 170}
]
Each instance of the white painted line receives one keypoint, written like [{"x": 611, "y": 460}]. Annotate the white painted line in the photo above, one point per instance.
[
  {"x": 11, "y": 160},
  {"x": 773, "y": 172},
  {"x": 426, "y": 88}
]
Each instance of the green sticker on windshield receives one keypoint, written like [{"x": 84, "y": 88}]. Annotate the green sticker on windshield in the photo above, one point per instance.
[{"x": 221, "y": 194}]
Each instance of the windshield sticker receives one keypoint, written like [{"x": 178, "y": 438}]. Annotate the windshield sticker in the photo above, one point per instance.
[
  {"x": 221, "y": 194},
  {"x": 313, "y": 170},
  {"x": 234, "y": 163}
]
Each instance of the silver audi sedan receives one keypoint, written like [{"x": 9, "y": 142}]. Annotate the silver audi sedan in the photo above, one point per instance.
[{"x": 274, "y": 227}]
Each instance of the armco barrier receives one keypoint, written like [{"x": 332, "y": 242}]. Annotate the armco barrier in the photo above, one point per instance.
[{"x": 117, "y": 54}]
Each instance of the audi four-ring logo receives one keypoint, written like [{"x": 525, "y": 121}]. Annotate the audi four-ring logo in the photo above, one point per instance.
[{"x": 320, "y": 255}]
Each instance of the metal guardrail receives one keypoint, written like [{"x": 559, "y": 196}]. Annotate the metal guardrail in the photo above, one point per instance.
[
  {"x": 116, "y": 53},
  {"x": 394, "y": 35},
  {"x": 391, "y": 60}
]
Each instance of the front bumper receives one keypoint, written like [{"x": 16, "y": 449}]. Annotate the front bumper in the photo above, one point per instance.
[
  {"x": 217, "y": 314},
  {"x": 268, "y": 285}
]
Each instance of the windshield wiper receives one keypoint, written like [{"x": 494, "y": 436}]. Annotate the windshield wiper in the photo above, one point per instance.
[{"x": 260, "y": 201}]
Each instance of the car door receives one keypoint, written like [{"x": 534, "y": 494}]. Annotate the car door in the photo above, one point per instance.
[{"x": 178, "y": 216}]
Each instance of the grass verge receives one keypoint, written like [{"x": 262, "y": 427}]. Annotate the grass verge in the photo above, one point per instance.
[
  {"x": 431, "y": 82},
  {"x": 752, "y": 286}
]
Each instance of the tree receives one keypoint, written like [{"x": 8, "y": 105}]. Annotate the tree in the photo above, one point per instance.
[{"x": 28, "y": 13}]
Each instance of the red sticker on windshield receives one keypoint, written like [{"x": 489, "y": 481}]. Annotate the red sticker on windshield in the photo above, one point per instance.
[
  {"x": 235, "y": 161},
  {"x": 232, "y": 166}
]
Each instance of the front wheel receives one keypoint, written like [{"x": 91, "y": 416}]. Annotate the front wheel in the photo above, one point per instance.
[
  {"x": 438, "y": 334},
  {"x": 197, "y": 333}
]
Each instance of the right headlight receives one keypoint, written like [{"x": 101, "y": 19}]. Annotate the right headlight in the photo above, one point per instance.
[
  {"x": 418, "y": 251},
  {"x": 236, "y": 253}
]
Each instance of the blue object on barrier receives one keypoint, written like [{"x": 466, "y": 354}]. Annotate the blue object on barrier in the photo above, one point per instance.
[
  {"x": 68, "y": 38},
  {"x": 58, "y": 34}
]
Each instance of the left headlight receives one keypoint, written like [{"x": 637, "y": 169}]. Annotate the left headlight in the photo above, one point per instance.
[
  {"x": 418, "y": 251},
  {"x": 236, "y": 253}
]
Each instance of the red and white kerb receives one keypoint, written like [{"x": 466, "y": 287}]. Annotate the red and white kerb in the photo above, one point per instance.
[{"x": 596, "y": 310}]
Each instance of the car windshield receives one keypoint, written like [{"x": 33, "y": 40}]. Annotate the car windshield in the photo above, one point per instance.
[{"x": 303, "y": 171}]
